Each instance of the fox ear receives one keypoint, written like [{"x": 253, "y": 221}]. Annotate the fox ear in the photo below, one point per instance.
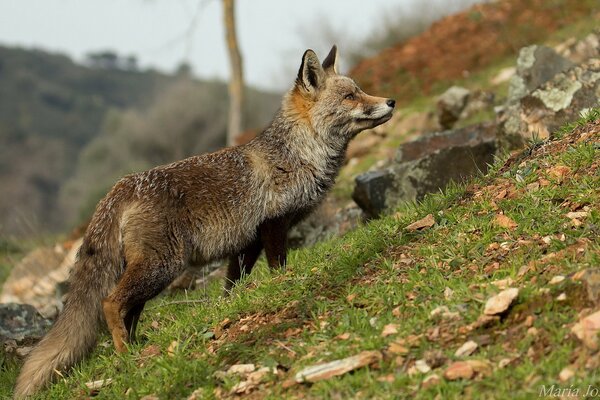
[
  {"x": 311, "y": 75},
  {"x": 330, "y": 63}
]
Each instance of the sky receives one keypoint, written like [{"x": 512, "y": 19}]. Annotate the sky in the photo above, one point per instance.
[{"x": 164, "y": 33}]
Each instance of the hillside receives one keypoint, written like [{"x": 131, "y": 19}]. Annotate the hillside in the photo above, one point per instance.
[
  {"x": 51, "y": 109},
  {"x": 466, "y": 43},
  {"x": 402, "y": 298}
]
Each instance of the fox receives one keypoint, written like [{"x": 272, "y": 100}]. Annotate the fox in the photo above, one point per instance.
[{"x": 231, "y": 204}]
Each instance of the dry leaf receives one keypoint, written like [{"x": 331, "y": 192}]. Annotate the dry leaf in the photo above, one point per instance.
[
  {"x": 150, "y": 351},
  {"x": 556, "y": 280},
  {"x": 172, "y": 348},
  {"x": 504, "y": 222},
  {"x": 396, "y": 312},
  {"x": 338, "y": 367},
  {"x": 426, "y": 222},
  {"x": 397, "y": 348},
  {"x": 389, "y": 329},
  {"x": 500, "y": 303},
  {"x": 459, "y": 370},
  {"x": 343, "y": 336},
  {"x": 501, "y": 194},
  {"x": 559, "y": 172},
  {"x": 576, "y": 214}
]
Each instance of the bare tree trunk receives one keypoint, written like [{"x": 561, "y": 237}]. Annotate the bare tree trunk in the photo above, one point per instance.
[{"x": 236, "y": 82}]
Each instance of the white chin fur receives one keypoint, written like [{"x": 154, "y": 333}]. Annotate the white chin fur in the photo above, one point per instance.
[{"x": 380, "y": 111}]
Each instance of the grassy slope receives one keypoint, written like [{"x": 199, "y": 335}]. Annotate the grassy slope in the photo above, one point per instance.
[{"x": 382, "y": 274}]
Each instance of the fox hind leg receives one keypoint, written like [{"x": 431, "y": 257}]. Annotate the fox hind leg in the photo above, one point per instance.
[{"x": 124, "y": 304}]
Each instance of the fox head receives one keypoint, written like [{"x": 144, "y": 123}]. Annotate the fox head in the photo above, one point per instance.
[{"x": 333, "y": 104}]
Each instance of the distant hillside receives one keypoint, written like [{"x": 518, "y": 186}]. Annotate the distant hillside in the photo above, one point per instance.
[
  {"x": 461, "y": 44},
  {"x": 51, "y": 109}
]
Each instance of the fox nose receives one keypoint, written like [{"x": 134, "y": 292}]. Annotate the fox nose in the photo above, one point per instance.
[{"x": 391, "y": 103}]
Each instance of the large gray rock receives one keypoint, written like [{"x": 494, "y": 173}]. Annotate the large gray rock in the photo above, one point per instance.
[
  {"x": 370, "y": 191},
  {"x": 535, "y": 66},
  {"x": 427, "y": 165},
  {"x": 22, "y": 323},
  {"x": 547, "y": 92},
  {"x": 38, "y": 278}
]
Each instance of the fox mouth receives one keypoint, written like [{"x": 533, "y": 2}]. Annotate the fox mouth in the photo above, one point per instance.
[{"x": 377, "y": 121}]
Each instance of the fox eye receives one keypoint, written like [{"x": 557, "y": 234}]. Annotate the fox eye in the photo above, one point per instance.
[{"x": 349, "y": 96}]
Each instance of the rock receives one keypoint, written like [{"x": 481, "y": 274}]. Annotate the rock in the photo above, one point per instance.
[
  {"x": 546, "y": 93},
  {"x": 339, "y": 367},
  {"x": 566, "y": 374},
  {"x": 325, "y": 222},
  {"x": 422, "y": 367},
  {"x": 535, "y": 66},
  {"x": 466, "y": 349},
  {"x": 421, "y": 167},
  {"x": 591, "y": 280},
  {"x": 556, "y": 280},
  {"x": 21, "y": 326},
  {"x": 587, "y": 330},
  {"x": 582, "y": 50},
  {"x": 501, "y": 302},
  {"x": 451, "y": 104},
  {"x": 38, "y": 279},
  {"x": 370, "y": 191},
  {"x": 425, "y": 222},
  {"x": 99, "y": 384}
]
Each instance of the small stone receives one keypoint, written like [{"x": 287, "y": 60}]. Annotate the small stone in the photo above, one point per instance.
[
  {"x": 241, "y": 369},
  {"x": 504, "y": 362},
  {"x": 439, "y": 311},
  {"x": 532, "y": 331},
  {"x": 448, "y": 293},
  {"x": 556, "y": 280},
  {"x": 503, "y": 283},
  {"x": 566, "y": 374},
  {"x": 466, "y": 349},
  {"x": 501, "y": 302},
  {"x": 561, "y": 297},
  {"x": 338, "y": 367},
  {"x": 587, "y": 330},
  {"x": 422, "y": 367}
]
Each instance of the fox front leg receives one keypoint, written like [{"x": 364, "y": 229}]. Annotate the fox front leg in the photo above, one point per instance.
[{"x": 273, "y": 234}]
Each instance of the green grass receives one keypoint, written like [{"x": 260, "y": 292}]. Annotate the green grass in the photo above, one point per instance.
[{"x": 382, "y": 274}]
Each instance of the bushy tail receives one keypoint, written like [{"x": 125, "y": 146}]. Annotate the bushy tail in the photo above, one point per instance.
[{"x": 75, "y": 332}]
